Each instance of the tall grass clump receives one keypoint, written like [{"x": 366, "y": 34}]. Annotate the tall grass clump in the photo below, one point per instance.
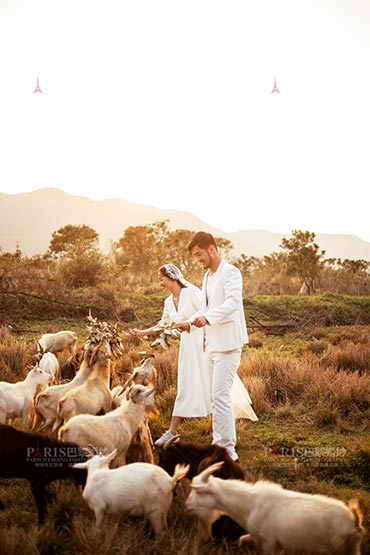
[
  {"x": 324, "y": 393},
  {"x": 16, "y": 541},
  {"x": 284, "y": 379},
  {"x": 14, "y": 356},
  {"x": 348, "y": 356}
]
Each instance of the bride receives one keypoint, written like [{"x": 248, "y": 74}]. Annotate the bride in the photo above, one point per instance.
[{"x": 193, "y": 388}]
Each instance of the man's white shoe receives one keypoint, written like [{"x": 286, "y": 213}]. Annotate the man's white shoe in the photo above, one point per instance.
[{"x": 165, "y": 437}]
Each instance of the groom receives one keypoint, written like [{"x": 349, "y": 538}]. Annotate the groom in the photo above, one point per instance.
[{"x": 225, "y": 333}]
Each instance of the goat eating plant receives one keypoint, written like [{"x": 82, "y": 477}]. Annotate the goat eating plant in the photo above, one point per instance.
[{"x": 276, "y": 518}]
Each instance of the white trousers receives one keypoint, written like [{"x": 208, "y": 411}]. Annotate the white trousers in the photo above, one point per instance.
[{"x": 222, "y": 368}]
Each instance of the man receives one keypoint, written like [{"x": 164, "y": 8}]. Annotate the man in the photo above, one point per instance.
[{"x": 225, "y": 333}]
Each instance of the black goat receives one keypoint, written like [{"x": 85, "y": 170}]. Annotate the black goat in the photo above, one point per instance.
[
  {"x": 70, "y": 366},
  {"x": 39, "y": 459},
  {"x": 199, "y": 456}
]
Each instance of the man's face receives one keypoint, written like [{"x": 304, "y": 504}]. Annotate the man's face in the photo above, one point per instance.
[{"x": 204, "y": 256}]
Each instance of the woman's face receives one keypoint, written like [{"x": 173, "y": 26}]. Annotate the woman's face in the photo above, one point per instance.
[{"x": 164, "y": 282}]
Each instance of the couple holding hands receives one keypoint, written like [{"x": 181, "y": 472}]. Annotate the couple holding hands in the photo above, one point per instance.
[{"x": 213, "y": 327}]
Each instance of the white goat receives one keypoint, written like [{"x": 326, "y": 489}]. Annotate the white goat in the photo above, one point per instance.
[
  {"x": 277, "y": 518},
  {"x": 46, "y": 402},
  {"x": 16, "y": 399},
  {"x": 50, "y": 364},
  {"x": 113, "y": 430},
  {"x": 141, "y": 448},
  {"x": 57, "y": 342},
  {"x": 94, "y": 394},
  {"x": 139, "y": 489},
  {"x": 145, "y": 374}
]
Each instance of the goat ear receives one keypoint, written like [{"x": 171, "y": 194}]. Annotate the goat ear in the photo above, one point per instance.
[
  {"x": 148, "y": 362},
  {"x": 82, "y": 465},
  {"x": 199, "y": 486},
  {"x": 128, "y": 394},
  {"x": 207, "y": 472},
  {"x": 116, "y": 391},
  {"x": 109, "y": 458}
]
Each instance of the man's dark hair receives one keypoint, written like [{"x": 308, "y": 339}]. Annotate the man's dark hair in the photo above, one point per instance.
[{"x": 202, "y": 240}]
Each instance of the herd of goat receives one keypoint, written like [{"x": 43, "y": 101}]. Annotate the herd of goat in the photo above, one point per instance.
[{"x": 99, "y": 437}]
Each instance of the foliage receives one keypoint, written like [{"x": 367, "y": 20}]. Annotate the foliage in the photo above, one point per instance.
[
  {"x": 304, "y": 258},
  {"x": 165, "y": 337},
  {"x": 143, "y": 249},
  {"x": 79, "y": 262},
  {"x": 73, "y": 240},
  {"x": 74, "y": 276},
  {"x": 85, "y": 270}
]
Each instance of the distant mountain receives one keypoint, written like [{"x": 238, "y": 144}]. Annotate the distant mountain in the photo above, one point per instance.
[{"x": 29, "y": 219}]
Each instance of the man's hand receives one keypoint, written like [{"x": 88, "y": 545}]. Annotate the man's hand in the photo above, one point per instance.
[{"x": 200, "y": 321}]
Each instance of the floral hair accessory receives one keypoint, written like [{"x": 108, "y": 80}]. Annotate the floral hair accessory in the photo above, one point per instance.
[{"x": 171, "y": 271}]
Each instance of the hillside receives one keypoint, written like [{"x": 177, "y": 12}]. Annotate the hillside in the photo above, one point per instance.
[{"x": 29, "y": 219}]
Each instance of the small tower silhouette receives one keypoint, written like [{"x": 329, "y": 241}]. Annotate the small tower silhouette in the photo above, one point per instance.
[
  {"x": 37, "y": 89},
  {"x": 275, "y": 89},
  {"x": 38, "y": 451}
]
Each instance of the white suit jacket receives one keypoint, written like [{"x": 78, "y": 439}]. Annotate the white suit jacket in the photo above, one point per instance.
[{"x": 225, "y": 311}]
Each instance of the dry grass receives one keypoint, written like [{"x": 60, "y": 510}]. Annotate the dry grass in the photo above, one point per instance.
[
  {"x": 348, "y": 356},
  {"x": 14, "y": 355},
  {"x": 303, "y": 401}
]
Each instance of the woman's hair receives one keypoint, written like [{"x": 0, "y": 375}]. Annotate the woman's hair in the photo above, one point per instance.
[
  {"x": 202, "y": 240},
  {"x": 172, "y": 272}
]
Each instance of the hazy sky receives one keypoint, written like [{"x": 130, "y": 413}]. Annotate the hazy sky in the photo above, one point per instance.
[{"x": 169, "y": 103}]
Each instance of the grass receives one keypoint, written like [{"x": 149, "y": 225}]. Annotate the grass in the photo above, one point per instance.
[{"x": 311, "y": 391}]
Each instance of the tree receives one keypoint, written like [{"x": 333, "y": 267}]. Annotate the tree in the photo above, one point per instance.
[
  {"x": 143, "y": 249},
  {"x": 80, "y": 262},
  {"x": 73, "y": 240},
  {"x": 304, "y": 259},
  {"x": 356, "y": 267}
]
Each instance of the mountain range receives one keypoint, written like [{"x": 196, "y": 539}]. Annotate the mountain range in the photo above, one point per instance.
[{"x": 27, "y": 221}]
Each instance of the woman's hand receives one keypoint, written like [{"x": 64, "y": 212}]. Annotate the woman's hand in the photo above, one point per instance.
[
  {"x": 182, "y": 326},
  {"x": 135, "y": 332}
]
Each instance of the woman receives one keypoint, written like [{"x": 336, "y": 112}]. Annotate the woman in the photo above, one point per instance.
[{"x": 193, "y": 397}]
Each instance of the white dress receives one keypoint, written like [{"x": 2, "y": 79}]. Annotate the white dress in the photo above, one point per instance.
[
  {"x": 193, "y": 387},
  {"x": 242, "y": 404},
  {"x": 193, "y": 391}
]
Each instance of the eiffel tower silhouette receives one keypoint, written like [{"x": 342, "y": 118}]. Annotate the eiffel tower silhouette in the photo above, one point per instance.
[
  {"x": 275, "y": 89},
  {"x": 38, "y": 451},
  {"x": 37, "y": 89}
]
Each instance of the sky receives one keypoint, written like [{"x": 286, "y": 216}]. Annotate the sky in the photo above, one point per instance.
[{"x": 170, "y": 104}]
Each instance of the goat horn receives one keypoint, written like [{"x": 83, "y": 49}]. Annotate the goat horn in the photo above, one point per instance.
[
  {"x": 170, "y": 441},
  {"x": 128, "y": 382},
  {"x": 210, "y": 470},
  {"x": 149, "y": 392}
]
